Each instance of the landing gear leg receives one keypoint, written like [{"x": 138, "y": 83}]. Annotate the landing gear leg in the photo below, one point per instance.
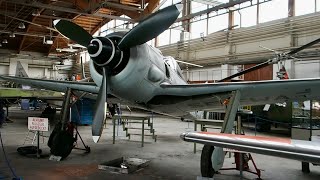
[
  {"x": 216, "y": 154},
  {"x": 61, "y": 141}
]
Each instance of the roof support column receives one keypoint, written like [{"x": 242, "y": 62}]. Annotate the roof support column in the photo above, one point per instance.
[
  {"x": 258, "y": 12},
  {"x": 291, "y": 8},
  {"x": 291, "y": 13},
  {"x": 186, "y": 11},
  {"x": 186, "y": 23},
  {"x": 231, "y": 18}
]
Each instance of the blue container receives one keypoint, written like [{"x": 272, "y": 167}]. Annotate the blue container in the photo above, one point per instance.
[
  {"x": 82, "y": 112},
  {"x": 25, "y": 104}
]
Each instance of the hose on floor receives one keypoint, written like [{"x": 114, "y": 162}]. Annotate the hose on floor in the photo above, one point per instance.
[{"x": 7, "y": 161}]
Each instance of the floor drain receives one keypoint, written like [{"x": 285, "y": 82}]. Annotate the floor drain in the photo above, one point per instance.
[{"x": 124, "y": 165}]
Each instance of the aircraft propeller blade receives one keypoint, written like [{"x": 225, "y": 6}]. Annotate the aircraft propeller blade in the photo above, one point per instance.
[
  {"x": 151, "y": 27},
  {"x": 100, "y": 109},
  {"x": 73, "y": 31}
]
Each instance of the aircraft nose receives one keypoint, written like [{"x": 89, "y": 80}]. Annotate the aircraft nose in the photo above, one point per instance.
[{"x": 95, "y": 47}]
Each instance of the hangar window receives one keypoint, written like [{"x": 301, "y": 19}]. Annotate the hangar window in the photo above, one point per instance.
[
  {"x": 217, "y": 23},
  {"x": 199, "y": 24},
  {"x": 273, "y": 10},
  {"x": 163, "y": 38},
  {"x": 171, "y": 35},
  {"x": 246, "y": 17},
  {"x": 304, "y": 7}
]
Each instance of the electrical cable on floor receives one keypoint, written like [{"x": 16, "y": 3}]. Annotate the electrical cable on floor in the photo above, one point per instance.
[{"x": 7, "y": 161}]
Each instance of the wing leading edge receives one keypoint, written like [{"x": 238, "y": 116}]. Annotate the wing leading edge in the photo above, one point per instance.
[
  {"x": 306, "y": 151},
  {"x": 54, "y": 85}
]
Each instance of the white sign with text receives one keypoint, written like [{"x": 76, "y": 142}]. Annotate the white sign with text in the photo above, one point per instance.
[{"x": 38, "y": 124}]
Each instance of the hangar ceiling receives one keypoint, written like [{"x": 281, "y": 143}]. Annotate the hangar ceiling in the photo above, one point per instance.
[{"x": 37, "y": 16}]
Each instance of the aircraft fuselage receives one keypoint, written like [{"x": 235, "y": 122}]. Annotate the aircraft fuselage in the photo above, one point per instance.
[{"x": 140, "y": 80}]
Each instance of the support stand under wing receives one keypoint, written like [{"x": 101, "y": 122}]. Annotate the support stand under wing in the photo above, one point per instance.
[{"x": 212, "y": 158}]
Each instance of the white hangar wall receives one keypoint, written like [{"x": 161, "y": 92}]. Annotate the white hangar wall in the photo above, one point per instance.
[
  {"x": 242, "y": 46},
  {"x": 34, "y": 64}
]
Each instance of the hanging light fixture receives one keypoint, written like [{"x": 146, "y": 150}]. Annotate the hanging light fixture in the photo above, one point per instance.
[
  {"x": 5, "y": 41},
  {"x": 36, "y": 12},
  {"x": 21, "y": 26},
  {"x": 12, "y": 35}
]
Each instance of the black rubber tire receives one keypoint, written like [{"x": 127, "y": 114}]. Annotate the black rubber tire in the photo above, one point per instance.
[
  {"x": 206, "y": 163},
  {"x": 57, "y": 128},
  {"x": 28, "y": 150},
  {"x": 62, "y": 144}
]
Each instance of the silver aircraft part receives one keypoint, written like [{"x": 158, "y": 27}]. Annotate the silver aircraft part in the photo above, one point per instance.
[
  {"x": 217, "y": 158},
  {"x": 120, "y": 60},
  {"x": 102, "y": 56},
  {"x": 306, "y": 151},
  {"x": 99, "y": 50},
  {"x": 96, "y": 76}
]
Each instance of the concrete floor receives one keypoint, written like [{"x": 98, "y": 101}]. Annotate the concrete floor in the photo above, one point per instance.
[{"x": 171, "y": 158}]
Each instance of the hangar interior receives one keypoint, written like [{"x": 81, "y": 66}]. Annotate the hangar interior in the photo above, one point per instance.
[{"x": 210, "y": 39}]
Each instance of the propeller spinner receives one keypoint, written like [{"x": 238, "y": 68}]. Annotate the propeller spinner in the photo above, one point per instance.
[{"x": 108, "y": 53}]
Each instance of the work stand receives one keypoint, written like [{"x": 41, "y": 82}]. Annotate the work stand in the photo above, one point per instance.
[
  {"x": 212, "y": 158},
  {"x": 241, "y": 158},
  {"x": 77, "y": 135}
]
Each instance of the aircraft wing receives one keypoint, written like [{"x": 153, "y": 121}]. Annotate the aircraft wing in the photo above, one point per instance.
[
  {"x": 207, "y": 96},
  {"x": 307, "y": 151},
  {"x": 54, "y": 85},
  {"x": 61, "y": 86}
]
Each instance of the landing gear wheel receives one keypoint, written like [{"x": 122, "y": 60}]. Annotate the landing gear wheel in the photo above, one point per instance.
[
  {"x": 206, "y": 163},
  {"x": 62, "y": 144},
  {"x": 57, "y": 128}
]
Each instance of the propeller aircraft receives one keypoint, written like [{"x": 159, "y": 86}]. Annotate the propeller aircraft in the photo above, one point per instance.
[{"x": 126, "y": 69}]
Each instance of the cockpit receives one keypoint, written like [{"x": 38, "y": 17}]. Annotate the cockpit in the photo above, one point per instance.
[{"x": 172, "y": 63}]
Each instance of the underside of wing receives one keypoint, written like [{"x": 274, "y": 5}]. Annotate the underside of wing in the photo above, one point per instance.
[
  {"x": 306, "y": 151},
  {"x": 54, "y": 85},
  {"x": 212, "y": 96}
]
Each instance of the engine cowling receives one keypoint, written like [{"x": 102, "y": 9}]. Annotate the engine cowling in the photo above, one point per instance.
[{"x": 104, "y": 52}]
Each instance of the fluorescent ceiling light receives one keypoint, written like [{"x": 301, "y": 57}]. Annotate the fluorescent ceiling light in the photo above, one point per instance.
[
  {"x": 12, "y": 35},
  {"x": 66, "y": 50},
  {"x": 49, "y": 41},
  {"x": 36, "y": 12},
  {"x": 21, "y": 26},
  {"x": 76, "y": 45}
]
